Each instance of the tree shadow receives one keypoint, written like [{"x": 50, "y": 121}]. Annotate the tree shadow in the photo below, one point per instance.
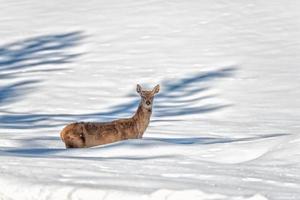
[
  {"x": 178, "y": 98},
  {"x": 37, "y": 51},
  {"x": 20, "y": 61},
  {"x": 10, "y": 92},
  {"x": 31, "y": 56}
]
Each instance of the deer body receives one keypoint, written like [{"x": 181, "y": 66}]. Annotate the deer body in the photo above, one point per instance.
[{"x": 88, "y": 134}]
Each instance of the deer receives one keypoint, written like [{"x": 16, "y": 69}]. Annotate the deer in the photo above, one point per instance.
[{"x": 89, "y": 134}]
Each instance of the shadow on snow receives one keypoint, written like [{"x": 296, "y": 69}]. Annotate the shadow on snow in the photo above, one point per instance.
[
  {"x": 23, "y": 59},
  {"x": 146, "y": 142},
  {"x": 183, "y": 97}
]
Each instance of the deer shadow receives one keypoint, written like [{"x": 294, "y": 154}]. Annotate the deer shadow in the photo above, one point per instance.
[
  {"x": 143, "y": 145},
  {"x": 211, "y": 140}
]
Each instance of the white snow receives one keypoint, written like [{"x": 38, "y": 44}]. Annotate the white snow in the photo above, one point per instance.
[{"x": 225, "y": 125}]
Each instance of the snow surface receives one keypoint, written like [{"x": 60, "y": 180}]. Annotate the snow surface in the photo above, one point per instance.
[{"x": 225, "y": 125}]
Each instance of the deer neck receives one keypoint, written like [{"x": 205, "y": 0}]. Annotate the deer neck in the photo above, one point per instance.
[{"x": 142, "y": 119}]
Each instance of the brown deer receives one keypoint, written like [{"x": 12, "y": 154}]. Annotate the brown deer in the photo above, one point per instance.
[{"x": 88, "y": 134}]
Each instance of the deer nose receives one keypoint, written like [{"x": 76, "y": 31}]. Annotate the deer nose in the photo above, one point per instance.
[{"x": 148, "y": 103}]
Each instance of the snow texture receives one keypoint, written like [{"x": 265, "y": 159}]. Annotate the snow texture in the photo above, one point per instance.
[{"x": 225, "y": 124}]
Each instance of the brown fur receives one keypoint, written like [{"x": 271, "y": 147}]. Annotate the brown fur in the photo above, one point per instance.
[{"x": 88, "y": 134}]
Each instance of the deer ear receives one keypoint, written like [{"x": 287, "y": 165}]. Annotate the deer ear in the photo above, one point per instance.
[
  {"x": 138, "y": 88},
  {"x": 156, "y": 89}
]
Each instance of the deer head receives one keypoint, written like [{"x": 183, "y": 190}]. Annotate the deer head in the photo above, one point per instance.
[{"x": 147, "y": 96}]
